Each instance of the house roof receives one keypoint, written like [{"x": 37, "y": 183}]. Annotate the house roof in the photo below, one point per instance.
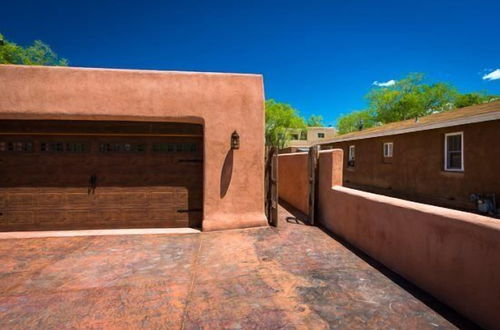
[{"x": 467, "y": 115}]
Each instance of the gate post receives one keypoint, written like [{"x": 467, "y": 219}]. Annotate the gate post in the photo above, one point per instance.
[
  {"x": 312, "y": 162},
  {"x": 271, "y": 185}
]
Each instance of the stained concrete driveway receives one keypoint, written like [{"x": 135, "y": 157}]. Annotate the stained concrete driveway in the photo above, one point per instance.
[{"x": 296, "y": 276}]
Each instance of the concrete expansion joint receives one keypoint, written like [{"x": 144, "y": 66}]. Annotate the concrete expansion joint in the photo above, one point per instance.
[{"x": 192, "y": 282}]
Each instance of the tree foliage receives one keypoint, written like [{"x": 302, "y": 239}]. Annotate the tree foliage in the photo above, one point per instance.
[
  {"x": 355, "y": 121},
  {"x": 38, "y": 53},
  {"x": 280, "y": 118},
  {"x": 408, "y": 98},
  {"x": 465, "y": 100},
  {"x": 315, "y": 121}
]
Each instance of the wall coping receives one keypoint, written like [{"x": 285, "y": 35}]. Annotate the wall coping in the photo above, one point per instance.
[
  {"x": 293, "y": 154},
  {"x": 462, "y": 216},
  {"x": 145, "y": 71}
]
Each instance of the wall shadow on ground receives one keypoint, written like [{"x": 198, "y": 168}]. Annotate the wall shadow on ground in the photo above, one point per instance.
[{"x": 445, "y": 311}]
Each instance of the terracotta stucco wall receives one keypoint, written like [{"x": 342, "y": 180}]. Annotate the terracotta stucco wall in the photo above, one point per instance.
[
  {"x": 416, "y": 170},
  {"x": 221, "y": 102},
  {"x": 293, "y": 185},
  {"x": 453, "y": 255}
]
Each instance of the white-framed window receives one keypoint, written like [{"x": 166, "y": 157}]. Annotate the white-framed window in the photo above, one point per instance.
[
  {"x": 321, "y": 135},
  {"x": 388, "y": 147},
  {"x": 454, "y": 151},
  {"x": 352, "y": 156}
]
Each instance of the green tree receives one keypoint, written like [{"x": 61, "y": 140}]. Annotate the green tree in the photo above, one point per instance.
[
  {"x": 465, "y": 100},
  {"x": 38, "y": 53},
  {"x": 315, "y": 121},
  {"x": 410, "y": 97},
  {"x": 281, "y": 120},
  {"x": 355, "y": 121}
]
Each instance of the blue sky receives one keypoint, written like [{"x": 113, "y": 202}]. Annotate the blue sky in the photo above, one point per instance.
[{"x": 320, "y": 56}]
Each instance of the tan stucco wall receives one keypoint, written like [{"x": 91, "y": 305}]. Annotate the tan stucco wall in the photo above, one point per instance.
[
  {"x": 221, "y": 102},
  {"x": 312, "y": 137},
  {"x": 453, "y": 255},
  {"x": 312, "y": 134},
  {"x": 293, "y": 185}
]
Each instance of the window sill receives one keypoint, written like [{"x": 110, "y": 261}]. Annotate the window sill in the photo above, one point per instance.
[
  {"x": 452, "y": 174},
  {"x": 351, "y": 168}
]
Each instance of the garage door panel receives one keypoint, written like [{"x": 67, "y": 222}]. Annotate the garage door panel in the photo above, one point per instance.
[
  {"x": 54, "y": 217},
  {"x": 110, "y": 216},
  {"x": 173, "y": 199},
  {"x": 78, "y": 219},
  {"x": 165, "y": 215},
  {"x": 50, "y": 199},
  {"x": 136, "y": 198},
  {"x": 108, "y": 199},
  {"x": 119, "y": 198},
  {"x": 157, "y": 185},
  {"x": 15, "y": 218},
  {"x": 77, "y": 200},
  {"x": 133, "y": 216},
  {"x": 20, "y": 200}
]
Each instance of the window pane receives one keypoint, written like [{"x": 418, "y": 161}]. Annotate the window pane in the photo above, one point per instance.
[
  {"x": 454, "y": 152},
  {"x": 351, "y": 153},
  {"x": 454, "y": 143},
  {"x": 454, "y": 160},
  {"x": 387, "y": 149}
]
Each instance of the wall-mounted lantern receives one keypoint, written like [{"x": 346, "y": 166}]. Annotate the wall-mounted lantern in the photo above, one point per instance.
[{"x": 235, "y": 140}]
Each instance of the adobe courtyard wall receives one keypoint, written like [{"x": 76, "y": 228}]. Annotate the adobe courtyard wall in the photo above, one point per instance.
[
  {"x": 293, "y": 182},
  {"x": 223, "y": 103},
  {"x": 453, "y": 255}
]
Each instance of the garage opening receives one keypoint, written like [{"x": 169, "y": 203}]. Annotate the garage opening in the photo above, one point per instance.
[{"x": 58, "y": 175}]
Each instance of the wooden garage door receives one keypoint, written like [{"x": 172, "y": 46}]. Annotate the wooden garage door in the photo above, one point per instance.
[{"x": 50, "y": 182}]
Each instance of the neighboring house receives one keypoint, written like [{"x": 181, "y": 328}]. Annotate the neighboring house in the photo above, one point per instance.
[
  {"x": 301, "y": 140},
  {"x": 84, "y": 148},
  {"x": 449, "y": 159}
]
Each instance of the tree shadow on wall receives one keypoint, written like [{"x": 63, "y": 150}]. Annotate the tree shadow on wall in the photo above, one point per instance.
[{"x": 226, "y": 173}]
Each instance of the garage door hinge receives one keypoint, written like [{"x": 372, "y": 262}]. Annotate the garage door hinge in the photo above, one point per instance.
[
  {"x": 189, "y": 210},
  {"x": 190, "y": 161}
]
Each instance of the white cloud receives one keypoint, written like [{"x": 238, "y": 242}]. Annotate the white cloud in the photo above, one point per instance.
[
  {"x": 493, "y": 75},
  {"x": 384, "y": 84}
]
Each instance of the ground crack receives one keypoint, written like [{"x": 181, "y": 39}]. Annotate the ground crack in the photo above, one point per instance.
[{"x": 193, "y": 280}]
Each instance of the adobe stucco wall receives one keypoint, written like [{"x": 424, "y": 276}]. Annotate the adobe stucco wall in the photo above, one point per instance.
[
  {"x": 221, "y": 102},
  {"x": 293, "y": 185},
  {"x": 453, "y": 255}
]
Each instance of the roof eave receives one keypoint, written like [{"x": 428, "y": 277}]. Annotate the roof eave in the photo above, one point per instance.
[{"x": 424, "y": 127}]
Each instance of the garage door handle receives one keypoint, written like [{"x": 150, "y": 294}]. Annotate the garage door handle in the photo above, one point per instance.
[{"x": 92, "y": 184}]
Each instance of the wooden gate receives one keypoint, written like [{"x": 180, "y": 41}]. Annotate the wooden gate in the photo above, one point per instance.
[
  {"x": 313, "y": 180},
  {"x": 271, "y": 185}
]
